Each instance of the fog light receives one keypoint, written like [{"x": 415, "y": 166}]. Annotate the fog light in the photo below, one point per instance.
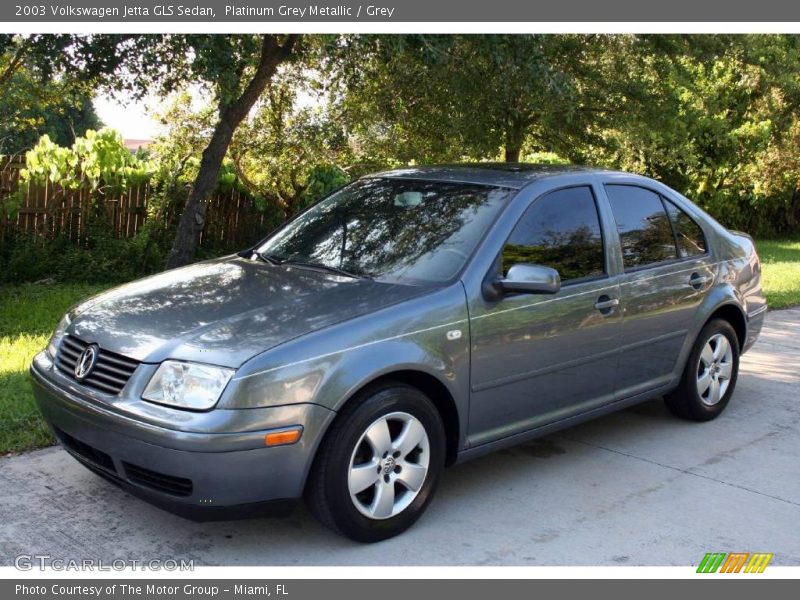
[{"x": 281, "y": 438}]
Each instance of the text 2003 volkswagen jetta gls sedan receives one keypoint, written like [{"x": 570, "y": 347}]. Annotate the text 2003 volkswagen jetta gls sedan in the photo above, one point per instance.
[{"x": 410, "y": 320}]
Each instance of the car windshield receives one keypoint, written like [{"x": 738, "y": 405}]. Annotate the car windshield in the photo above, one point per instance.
[{"x": 393, "y": 229}]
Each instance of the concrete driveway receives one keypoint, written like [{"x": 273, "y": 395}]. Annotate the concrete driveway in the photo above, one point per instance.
[{"x": 635, "y": 488}]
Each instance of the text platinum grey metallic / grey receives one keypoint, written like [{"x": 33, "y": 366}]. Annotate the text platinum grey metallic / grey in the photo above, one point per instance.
[{"x": 413, "y": 319}]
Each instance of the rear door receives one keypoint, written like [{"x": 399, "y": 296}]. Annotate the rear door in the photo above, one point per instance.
[
  {"x": 667, "y": 271},
  {"x": 539, "y": 358}
]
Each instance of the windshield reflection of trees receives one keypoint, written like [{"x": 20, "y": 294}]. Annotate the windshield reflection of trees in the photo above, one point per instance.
[{"x": 366, "y": 229}]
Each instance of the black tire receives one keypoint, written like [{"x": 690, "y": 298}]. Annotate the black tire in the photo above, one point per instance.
[
  {"x": 686, "y": 401},
  {"x": 327, "y": 492}
]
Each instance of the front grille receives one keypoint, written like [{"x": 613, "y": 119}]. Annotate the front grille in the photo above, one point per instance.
[
  {"x": 110, "y": 373},
  {"x": 93, "y": 455},
  {"x": 177, "y": 486}
]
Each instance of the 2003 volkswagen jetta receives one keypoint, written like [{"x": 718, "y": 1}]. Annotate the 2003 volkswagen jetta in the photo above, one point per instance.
[{"x": 410, "y": 320}]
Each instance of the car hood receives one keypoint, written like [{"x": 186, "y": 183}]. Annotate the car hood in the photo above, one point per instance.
[{"x": 225, "y": 311}]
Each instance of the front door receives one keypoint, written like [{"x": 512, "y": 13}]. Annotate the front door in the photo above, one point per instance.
[{"x": 540, "y": 358}]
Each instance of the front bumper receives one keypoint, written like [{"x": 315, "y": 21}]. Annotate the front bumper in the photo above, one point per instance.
[{"x": 200, "y": 475}]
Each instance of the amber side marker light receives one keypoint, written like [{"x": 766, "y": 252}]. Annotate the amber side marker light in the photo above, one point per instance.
[{"x": 281, "y": 438}]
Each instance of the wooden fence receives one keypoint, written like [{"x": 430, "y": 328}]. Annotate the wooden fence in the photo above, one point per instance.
[{"x": 48, "y": 211}]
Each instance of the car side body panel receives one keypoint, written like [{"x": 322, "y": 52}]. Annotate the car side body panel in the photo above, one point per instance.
[
  {"x": 664, "y": 333},
  {"x": 658, "y": 303},
  {"x": 539, "y": 358},
  {"x": 428, "y": 335}
]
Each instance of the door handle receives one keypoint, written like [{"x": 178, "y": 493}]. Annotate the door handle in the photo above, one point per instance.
[
  {"x": 697, "y": 281},
  {"x": 604, "y": 303}
]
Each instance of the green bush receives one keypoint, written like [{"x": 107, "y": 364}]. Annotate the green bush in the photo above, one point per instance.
[
  {"x": 99, "y": 258},
  {"x": 27, "y": 259}
]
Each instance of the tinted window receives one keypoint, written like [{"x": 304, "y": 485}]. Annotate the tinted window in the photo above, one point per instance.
[
  {"x": 402, "y": 230},
  {"x": 644, "y": 229},
  {"x": 691, "y": 241},
  {"x": 560, "y": 230}
]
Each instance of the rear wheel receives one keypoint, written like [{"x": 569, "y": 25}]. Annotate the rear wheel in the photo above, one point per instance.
[
  {"x": 378, "y": 466},
  {"x": 710, "y": 375}
]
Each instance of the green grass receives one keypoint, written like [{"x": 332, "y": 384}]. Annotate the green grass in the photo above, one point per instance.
[
  {"x": 780, "y": 265},
  {"x": 28, "y": 315},
  {"x": 30, "y": 312}
]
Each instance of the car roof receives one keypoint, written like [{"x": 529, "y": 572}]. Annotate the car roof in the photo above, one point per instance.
[{"x": 510, "y": 175}]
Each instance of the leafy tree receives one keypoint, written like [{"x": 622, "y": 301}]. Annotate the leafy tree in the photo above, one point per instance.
[
  {"x": 30, "y": 108},
  {"x": 33, "y": 104},
  {"x": 235, "y": 69},
  {"x": 292, "y": 152},
  {"x": 430, "y": 98},
  {"x": 703, "y": 114},
  {"x": 716, "y": 117},
  {"x": 240, "y": 69},
  {"x": 176, "y": 152},
  {"x": 713, "y": 116}
]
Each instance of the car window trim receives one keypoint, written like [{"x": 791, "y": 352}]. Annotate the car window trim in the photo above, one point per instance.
[
  {"x": 587, "y": 279},
  {"x": 664, "y": 263},
  {"x": 497, "y": 264},
  {"x": 672, "y": 227}
]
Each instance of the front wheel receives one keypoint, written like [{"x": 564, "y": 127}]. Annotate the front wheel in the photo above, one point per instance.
[
  {"x": 710, "y": 375},
  {"x": 378, "y": 466}
]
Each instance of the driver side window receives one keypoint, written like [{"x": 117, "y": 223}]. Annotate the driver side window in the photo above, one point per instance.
[{"x": 560, "y": 230}]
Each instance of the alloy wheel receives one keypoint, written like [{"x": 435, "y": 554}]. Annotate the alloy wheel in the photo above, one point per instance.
[
  {"x": 714, "y": 369},
  {"x": 389, "y": 465}
]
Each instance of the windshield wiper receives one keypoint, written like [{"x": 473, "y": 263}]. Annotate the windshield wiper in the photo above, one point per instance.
[
  {"x": 329, "y": 268},
  {"x": 269, "y": 258}
]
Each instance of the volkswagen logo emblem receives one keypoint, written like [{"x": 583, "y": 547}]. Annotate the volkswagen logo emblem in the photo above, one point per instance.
[{"x": 86, "y": 362}]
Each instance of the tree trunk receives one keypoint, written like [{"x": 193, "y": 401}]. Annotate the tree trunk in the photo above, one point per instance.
[
  {"x": 190, "y": 226},
  {"x": 514, "y": 138},
  {"x": 15, "y": 62},
  {"x": 794, "y": 209},
  {"x": 511, "y": 153}
]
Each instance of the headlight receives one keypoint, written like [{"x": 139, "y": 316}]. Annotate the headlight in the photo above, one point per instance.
[
  {"x": 187, "y": 385},
  {"x": 55, "y": 339}
]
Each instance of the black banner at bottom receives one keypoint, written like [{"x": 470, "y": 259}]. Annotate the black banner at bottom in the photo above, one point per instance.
[{"x": 392, "y": 589}]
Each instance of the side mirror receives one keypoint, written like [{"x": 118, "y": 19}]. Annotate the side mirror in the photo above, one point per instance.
[{"x": 524, "y": 279}]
